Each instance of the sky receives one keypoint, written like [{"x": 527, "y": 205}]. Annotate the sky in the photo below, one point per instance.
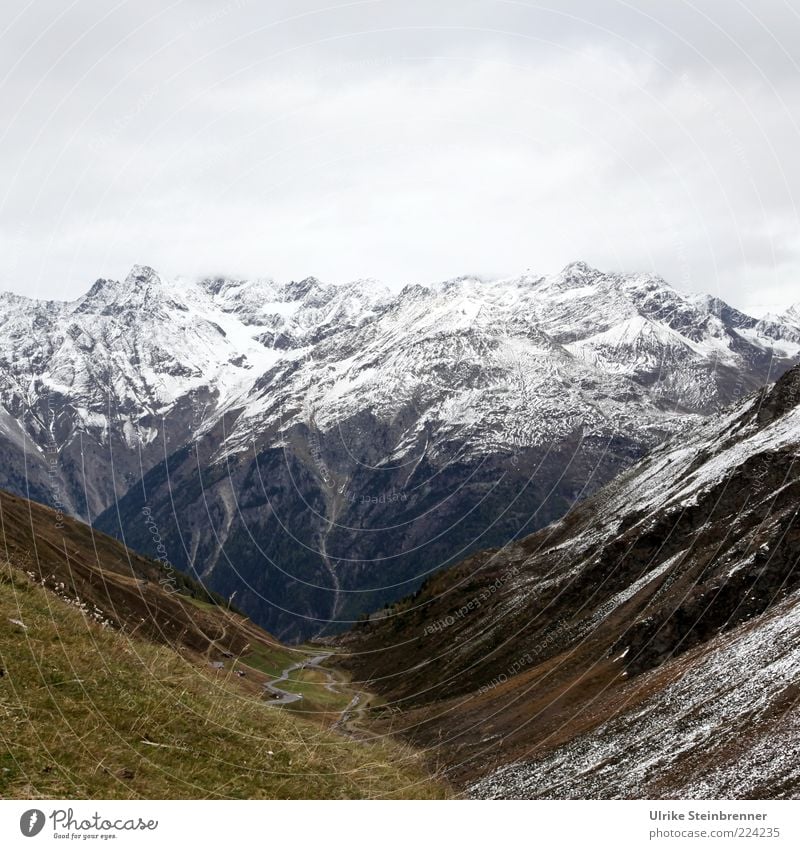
[{"x": 401, "y": 140}]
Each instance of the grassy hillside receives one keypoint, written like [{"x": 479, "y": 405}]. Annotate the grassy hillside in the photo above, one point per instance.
[{"x": 93, "y": 707}]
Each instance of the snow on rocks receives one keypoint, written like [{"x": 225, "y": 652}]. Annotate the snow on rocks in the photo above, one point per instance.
[
  {"x": 502, "y": 365},
  {"x": 739, "y": 682}
]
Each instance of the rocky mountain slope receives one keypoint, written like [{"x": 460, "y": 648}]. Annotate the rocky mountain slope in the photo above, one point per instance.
[
  {"x": 318, "y": 450},
  {"x": 645, "y": 645},
  {"x": 133, "y": 370}
]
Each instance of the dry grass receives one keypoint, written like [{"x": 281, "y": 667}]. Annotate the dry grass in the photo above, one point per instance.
[{"x": 87, "y": 712}]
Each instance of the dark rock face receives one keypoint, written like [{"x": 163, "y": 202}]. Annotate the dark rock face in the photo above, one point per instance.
[
  {"x": 306, "y": 554},
  {"x": 730, "y": 576},
  {"x": 80, "y": 470},
  {"x": 719, "y": 556}
]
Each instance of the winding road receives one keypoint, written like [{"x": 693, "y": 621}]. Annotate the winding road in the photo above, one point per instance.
[
  {"x": 284, "y": 697},
  {"x": 344, "y": 723}
]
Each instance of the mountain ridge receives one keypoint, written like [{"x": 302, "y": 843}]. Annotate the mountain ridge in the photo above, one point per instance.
[{"x": 298, "y": 420}]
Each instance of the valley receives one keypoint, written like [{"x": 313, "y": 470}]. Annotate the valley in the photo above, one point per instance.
[
  {"x": 645, "y": 644},
  {"x": 400, "y": 401},
  {"x": 117, "y": 686}
]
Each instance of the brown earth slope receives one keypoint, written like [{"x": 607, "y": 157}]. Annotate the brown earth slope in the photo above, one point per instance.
[{"x": 118, "y": 587}]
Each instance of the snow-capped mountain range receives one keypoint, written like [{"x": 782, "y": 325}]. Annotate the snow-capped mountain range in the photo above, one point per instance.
[{"x": 319, "y": 448}]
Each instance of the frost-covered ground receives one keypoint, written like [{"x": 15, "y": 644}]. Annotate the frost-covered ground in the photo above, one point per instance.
[{"x": 728, "y": 727}]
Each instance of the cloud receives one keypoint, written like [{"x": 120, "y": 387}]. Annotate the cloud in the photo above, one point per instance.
[{"x": 404, "y": 141}]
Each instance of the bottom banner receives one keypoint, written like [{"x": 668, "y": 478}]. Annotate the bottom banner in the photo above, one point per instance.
[{"x": 343, "y": 825}]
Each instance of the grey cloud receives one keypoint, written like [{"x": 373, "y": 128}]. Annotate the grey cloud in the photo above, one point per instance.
[{"x": 401, "y": 140}]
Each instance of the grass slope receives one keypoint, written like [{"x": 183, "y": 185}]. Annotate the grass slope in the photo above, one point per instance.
[
  {"x": 107, "y": 688},
  {"x": 88, "y": 712}
]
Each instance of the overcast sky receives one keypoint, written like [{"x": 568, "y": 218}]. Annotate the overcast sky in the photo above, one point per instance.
[{"x": 407, "y": 141}]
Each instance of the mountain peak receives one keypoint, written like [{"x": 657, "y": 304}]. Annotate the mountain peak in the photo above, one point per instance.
[
  {"x": 575, "y": 275},
  {"x": 296, "y": 290},
  {"x": 142, "y": 274},
  {"x": 579, "y": 268},
  {"x": 143, "y": 286},
  {"x": 792, "y": 315}
]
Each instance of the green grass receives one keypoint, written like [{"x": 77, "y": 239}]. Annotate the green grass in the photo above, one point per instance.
[
  {"x": 272, "y": 661},
  {"x": 90, "y": 713},
  {"x": 317, "y": 698},
  {"x": 201, "y": 603}
]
